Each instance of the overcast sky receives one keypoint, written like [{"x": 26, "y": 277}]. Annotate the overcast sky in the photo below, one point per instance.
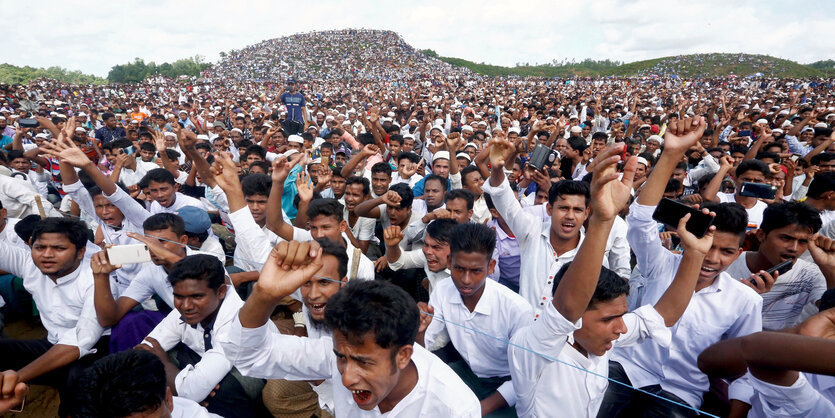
[{"x": 94, "y": 36}]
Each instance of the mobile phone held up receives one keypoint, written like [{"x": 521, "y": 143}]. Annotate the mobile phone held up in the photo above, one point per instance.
[
  {"x": 670, "y": 212},
  {"x": 28, "y": 123},
  {"x": 128, "y": 254},
  {"x": 542, "y": 157},
  {"x": 758, "y": 190}
]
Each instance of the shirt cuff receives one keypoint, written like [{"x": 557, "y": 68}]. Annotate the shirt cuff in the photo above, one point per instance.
[
  {"x": 489, "y": 189},
  {"x": 507, "y": 392},
  {"x": 741, "y": 389}
]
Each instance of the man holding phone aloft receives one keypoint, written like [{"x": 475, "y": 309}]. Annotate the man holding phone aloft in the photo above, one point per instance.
[
  {"x": 720, "y": 308},
  {"x": 788, "y": 296}
]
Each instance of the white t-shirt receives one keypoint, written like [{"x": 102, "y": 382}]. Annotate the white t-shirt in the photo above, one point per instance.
[{"x": 755, "y": 214}]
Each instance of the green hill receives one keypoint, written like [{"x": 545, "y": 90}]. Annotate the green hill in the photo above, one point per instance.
[{"x": 688, "y": 66}]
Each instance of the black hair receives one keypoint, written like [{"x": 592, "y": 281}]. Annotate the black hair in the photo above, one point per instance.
[
  {"x": 160, "y": 175},
  {"x": 411, "y": 156},
  {"x": 780, "y": 215},
  {"x": 256, "y": 149},
  {"x": 673, "y": 186},
  {"x": 609, "y": 285},
  {"x": 465, "y": 171},
  {"x": 473, "y": 238},
  {"x": 74, "y": 229},
  {"x": 366, "y": 139},
  {"x": 325, "y": 207},
  {"x": 823, "y": 157},
  {"x": 107, "y": 115},
  {"x": 767, "y": 154},
  {"x": 738, "y": 148},
  {"x": 121, "y": 384},
  {"x": 15, "y": 154},
  {"x": 600, "y": 135},
  {"x": 821, "y": 183},
  {"x": 200, "y": 145},
  {"x": 263, "y": 164},
  {"x": 147, "y": 146},
  {"x": 199, "y": 267},
  {"x": 435, "y": 177},
  {"x": 256, "y": 184},
  {"x": 577, "y": 143},
  {"x": 333, "y": 249},
  {"x": 161, "y": 221},
  {"x": 441, "y": 229},
  {"x": 173, "y": 155},
  {"x": 406, "y": 195},
  {"x": 396, "y": 138},
  {"x": 568, "y": 187},
  {"x": 461, "y": 194},
  {"x": 381, "y": 167},
  {"x": 374, "y": 307},
  {"x": 327, "y": 145},
  {"x": 366, "y": 187},
  {"x": 730, "y": 217},
  {"x": 24, "y": 227},
  {"x": 753, "y": 165}
]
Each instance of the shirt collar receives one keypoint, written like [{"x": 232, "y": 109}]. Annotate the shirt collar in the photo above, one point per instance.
[{"x": 69, "y": 277}]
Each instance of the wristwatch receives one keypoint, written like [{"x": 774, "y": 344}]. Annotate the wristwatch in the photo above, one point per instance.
[{"x": 298, "y": 319}]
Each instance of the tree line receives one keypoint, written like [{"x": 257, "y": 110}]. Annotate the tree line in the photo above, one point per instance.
[{"x": 139, "y": 70}]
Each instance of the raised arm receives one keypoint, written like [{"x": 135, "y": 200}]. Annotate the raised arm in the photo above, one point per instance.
[
  {"x": 712, "y": 188},
  {"x": 356, "y": 159},
  {"x": 608, "y": 196},
  {"x": 275, "y": 212},
  {"x": 678, "y": 138},
  {"x": 677, "y": 296}
]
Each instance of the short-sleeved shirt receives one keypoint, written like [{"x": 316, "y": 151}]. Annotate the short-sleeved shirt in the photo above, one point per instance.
[{"x": 294, "y": 103}]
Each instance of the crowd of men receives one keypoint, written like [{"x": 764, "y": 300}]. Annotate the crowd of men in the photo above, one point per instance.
[{"x": 447, "y": 246}]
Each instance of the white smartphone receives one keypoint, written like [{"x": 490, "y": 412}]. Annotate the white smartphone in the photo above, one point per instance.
[{"x": 128, "y": 254}]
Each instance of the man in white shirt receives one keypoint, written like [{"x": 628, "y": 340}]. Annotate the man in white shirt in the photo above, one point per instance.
[
  {"x": 164, "y": 235},
  {"x": 62, "y": 288},
  {"x": 357, "y": 190},
  {"x": 784, "y": 235},
  {"x": 407, "y": 165},
  {"x": 748, "y": 171},
  {"x": 472, "y": 181},
  {"x": 115, "y": 211},
  {"x": 471, "y": 299},
  {"x": 129, "y": 383},
  {"x": 198, "y": 228},
  {"x": 162, "y": 189},
  {"x": 433, "y": 257},
  {"x": 371, "y": 353},
  {"x": 554, "y": 361},
  {"x": 548, "y": 245},
  {"x": 720, "y": 308},
  {"x": 204, "y": 308}
]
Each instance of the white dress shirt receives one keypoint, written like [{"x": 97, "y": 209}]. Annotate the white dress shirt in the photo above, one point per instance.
[
  {"x": 195, "y": 382},
  {"x": 153, "y": 280},
  {"x": 544, "y": 386},
  {"x": 65, "y": 305},
  {"x": 180, "y": 201},
  {"x": 809, "y": 396},
  {"x": 755, "y": 213},
  {"x": 365, "y": 270},
  {"x": 254, "y": 243},
  {"x": 540, "y": 262},
  {"x": 725, "y": 309},
  {"x": 265, "y": 353},
  {"x": 187, "y": 408},
  {"x": 481, "y": 213},
  {"x": 499, "y": 313},
  {"x": 417, "y": 259}
]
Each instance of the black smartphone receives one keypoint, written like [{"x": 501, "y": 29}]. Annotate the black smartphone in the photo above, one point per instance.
[
  {"x": 669, "y": 212},
  {"x": 781, "y": 268},
  {"x": 28, "y": 123},
  {"x": 758, "y": 190},
  {"x": 744, "y": 133}
]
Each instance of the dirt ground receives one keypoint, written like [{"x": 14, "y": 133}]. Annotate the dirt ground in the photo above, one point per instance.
[{"x": 42, "y": 401}]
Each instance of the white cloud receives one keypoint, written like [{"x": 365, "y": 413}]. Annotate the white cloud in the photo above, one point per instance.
[{"x": 94, "y": 37}]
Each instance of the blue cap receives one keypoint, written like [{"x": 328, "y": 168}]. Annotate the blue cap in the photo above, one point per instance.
[{"x": 196, "y": 219}]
